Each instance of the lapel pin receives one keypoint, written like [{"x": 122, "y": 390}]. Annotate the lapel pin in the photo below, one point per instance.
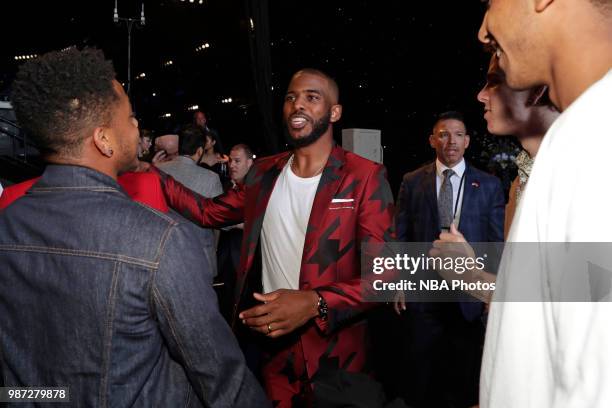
[{"x": 475, "y": 184}]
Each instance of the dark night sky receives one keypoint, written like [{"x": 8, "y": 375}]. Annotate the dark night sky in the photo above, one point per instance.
[{"x": 397, "y": 63}]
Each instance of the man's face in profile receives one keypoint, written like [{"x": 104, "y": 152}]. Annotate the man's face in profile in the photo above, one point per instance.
[{"x": 124, "y": 127}]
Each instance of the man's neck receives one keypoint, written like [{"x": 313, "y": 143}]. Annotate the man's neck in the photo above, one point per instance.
[
  {"x": 450, "y": 166},
  {"x": 310, "y": 160},
  {"x": 533, "y": 131},
  {"x": 578, "y": 66},
  {"x": 531, "y": 144}
]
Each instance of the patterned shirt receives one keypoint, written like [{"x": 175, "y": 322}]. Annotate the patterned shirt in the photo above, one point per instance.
[{"x": 524, "y": 163}]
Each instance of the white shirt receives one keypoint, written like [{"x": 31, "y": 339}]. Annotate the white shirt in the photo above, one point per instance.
[
  {"x": 284, "y": 229},
  {"x": 557, "y": 354},
  {"x": 455, "y": 180}
]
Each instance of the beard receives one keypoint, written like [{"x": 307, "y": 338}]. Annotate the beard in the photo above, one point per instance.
[{"x": 319, "y": 127}]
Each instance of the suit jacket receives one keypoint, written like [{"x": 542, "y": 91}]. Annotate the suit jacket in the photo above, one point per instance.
[
  {"x": 482, "y": 210},
  {"x": 331, "y": 258}
]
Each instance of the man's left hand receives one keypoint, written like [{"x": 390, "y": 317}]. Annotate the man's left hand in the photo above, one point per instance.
[{"x": 283, "y": 311}]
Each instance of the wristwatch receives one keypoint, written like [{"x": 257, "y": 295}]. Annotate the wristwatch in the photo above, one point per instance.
[{"x": 322, "y": 307}]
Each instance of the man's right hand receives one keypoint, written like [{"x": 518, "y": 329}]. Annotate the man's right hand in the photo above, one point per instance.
[
  {"x": 159, "y": 157},
  {"x": 453, "y": 244}
]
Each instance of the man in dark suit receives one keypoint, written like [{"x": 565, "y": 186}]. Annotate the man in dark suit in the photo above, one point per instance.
[{"x": 443, "y": 340}]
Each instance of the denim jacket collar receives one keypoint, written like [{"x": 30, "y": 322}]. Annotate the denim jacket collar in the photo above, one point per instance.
[{"x": 71, "y": 177}]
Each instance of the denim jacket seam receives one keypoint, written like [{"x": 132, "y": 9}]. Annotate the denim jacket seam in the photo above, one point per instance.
[
  {"x": 158, "y": 255},
  {"x": 162, "y": 242},
  {"x": 157, "y": 213},
  {"x": 77, "y": 252},
  {"x": 108, "y": 336},
  {"x": 75, "y": 188},
  {"x": 157, "y": 296},
  {"x": 171, "y": 323},
  {"x": 170, "y": 317}
]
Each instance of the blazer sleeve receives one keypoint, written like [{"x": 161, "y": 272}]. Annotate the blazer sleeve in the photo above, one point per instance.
[
  {"x": 221, "y": 211},
  {"x": 374, "y": 225}
]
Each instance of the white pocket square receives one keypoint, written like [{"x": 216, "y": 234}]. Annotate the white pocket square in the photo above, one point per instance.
[{"x": 343, "y": 200}]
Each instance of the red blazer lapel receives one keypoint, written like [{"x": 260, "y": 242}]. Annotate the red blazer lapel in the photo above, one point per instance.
[
  {"x": 331, "y": 180},
  {"x": 259, "y": 189}
]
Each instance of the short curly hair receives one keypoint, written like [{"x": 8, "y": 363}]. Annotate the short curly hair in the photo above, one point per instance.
[
  {"x": 191, "y": 139},
  {"x": 60, "y": 95},
  {"x": 605, "y": 6}
]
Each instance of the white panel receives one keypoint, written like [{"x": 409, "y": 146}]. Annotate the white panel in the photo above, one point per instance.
[{"x": 364, "y": 142}]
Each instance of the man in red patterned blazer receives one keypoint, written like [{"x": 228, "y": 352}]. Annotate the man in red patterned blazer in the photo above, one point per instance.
[{"x": 306, "y": 213}]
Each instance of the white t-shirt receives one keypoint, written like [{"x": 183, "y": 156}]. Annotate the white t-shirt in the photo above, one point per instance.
[
  {"x": 557, "y": 355},
  {"x": 284, "y": 229}
]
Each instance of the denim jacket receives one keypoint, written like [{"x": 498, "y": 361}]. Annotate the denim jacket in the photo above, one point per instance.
[{"x": 112, "y": 299}]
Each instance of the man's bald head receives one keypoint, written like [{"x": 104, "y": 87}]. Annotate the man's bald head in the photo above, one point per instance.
[
  {"x": 169, "y": 143},
  {"x": 332, "y": 85}
]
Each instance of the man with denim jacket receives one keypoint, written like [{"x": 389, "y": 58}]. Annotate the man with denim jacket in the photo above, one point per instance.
[{"x": 99, "y": 293}]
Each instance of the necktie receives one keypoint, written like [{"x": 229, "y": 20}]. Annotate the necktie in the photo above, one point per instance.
[{"x": 445, "y": 200}]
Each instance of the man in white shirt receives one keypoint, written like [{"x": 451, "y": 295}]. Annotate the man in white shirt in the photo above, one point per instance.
[{"x": 553, "y": 354}]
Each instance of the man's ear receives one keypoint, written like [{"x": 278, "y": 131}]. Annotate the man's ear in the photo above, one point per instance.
[
  {"x": 535, "y": 95},
  {"x": 102, "y": 141},
  {"x": 541, "y": 5},
  {"x": 467, "y": 141},
  {"x": 336, "y": 113},
  {"x": 432, "y": 141}
]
